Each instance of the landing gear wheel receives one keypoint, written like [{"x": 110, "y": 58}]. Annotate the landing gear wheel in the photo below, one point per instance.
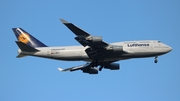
[
  {"x": 155, "y": 61},
  {"x": 100, "y": 68}
]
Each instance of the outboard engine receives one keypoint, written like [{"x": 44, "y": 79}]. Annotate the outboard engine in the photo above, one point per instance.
[
  {"x": 90, "y": 70},
  {"x": 112, "y": 66},
  {"x": 94, "y": 39}
]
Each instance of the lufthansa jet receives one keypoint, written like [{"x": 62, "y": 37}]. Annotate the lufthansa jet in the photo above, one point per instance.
[{"x": 97, "y": 53}]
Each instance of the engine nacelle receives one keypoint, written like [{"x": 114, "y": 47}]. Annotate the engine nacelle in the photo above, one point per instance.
[
  {"x": 91, "y": 70},
  {"x": 94, "y": 39},
  {"x": 112, "y": 66},
  {"x": 115, "y": 48}
]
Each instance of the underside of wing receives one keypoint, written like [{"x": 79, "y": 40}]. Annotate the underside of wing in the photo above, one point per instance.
[
  {"x": 95, "y": 43},
  {"x": 91, "y": 68},
  {"x": 86, "y": 68},
  {"x": 74, "y": 29},
  {"x": 83, "y": 37}
]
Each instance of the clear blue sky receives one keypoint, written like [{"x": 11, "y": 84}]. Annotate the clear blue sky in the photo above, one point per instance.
[{"x": 37, "y": 79}]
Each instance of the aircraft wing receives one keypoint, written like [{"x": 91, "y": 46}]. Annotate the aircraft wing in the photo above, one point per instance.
[
  {"x": 96, "y": 44},
  {"x": 86, "y": 68},
  {"x": 75, "y": 68},
  {"x": 83, "y": 37}
]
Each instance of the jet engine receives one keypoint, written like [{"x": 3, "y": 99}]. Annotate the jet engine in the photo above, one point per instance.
[
  {"x": 94, "y": 39},
  {"x": 112, "y": 66},
  {"x": 90, "y": 70},
  {"x": 115, "y": 48}
]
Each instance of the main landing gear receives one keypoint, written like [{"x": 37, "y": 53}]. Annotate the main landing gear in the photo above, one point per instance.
[
  {"x": 155, "y": 61},
  {"x": 99, "y": 63},
  {"x": 100, "y": 68}
]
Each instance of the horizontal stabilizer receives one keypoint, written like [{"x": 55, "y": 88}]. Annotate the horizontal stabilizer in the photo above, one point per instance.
[
  {"x": 25, "y": 47},
  {"x": 21, "y": 55}
]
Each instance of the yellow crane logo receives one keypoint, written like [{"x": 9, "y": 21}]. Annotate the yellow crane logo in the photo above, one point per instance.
[{"x": 24, "y": 37}]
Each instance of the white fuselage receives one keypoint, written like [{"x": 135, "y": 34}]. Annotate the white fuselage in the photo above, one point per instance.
[{"x": 132, "y": 49}]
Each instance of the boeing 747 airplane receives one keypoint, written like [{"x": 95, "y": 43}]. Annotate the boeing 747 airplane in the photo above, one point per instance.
[{"x": 97, "y": 53}]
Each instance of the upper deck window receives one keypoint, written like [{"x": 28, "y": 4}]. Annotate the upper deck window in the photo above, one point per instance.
[{"x": 159, "y": 41}]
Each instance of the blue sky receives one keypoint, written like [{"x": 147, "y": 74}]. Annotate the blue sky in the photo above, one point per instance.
[{"x": 37, "y": 79}]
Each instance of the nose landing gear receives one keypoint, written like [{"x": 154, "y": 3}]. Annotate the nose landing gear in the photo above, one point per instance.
[{"x": 155, "y": 61}]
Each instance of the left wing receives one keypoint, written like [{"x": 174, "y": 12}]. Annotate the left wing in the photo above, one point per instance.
[{"x": 86, "y": 68}]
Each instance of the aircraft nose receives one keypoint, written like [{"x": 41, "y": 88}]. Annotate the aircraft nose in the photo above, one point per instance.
[{"x": 168, "y": 49}]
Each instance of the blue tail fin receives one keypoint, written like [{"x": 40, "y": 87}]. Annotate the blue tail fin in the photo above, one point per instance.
[{"x": 26, "y": 38}]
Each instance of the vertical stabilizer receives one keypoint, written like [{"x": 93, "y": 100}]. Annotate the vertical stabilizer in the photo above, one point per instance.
[{"x": 26, "y": 38}]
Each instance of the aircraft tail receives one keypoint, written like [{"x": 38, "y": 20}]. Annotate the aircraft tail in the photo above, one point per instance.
[
  {"x": 26, "y": 39},
  {"x": 26, "y": 48}
]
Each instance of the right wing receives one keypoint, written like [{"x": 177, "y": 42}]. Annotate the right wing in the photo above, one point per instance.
[
  {"x": 95, "y": 43},
  {"x": 83, "y": 37}
]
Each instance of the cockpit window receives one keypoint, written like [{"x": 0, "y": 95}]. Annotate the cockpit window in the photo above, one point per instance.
[{"x": 159, "y": 41}]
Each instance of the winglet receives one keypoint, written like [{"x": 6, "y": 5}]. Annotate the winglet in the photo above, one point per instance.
[
  {"x": 60, "y": 69},
  {"x": 64, "y": 21}
]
